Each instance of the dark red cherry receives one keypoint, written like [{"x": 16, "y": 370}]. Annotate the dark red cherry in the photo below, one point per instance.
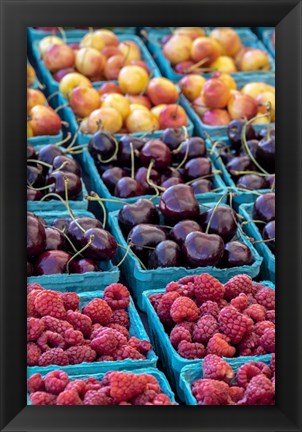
[
  {"x": 141, "y": 178},
  {"x": 142, "y": 212},
  {"x": 143, "y": 235},
  {"x": 128, "y": 187},
  {"x": 270, "y": 180},
  {"x": 182, "y": 229},
  {"x": 67, "y": 164},
  {"x": 263, "y": 133},
  {"x": 55, "y": 240},
  {"x": 51, "y": 262},
  {"x": 178, "y": 202},
  {"x": 103, "y": 245},
  {"x": 84, "y": 265},
  {"x": 102, "y": 145},
  {"x": 31, "y": 152},
  {"x": 57, "y": 179},
  {"x": 234, "y": 132},
  {"x": 240, "y": 163},
  {"x": 76, "y": 234},
  {"x": 236, "y": 254},
  {"x": 101, "y": 167},
  {"x": 36, "y": 237},
  {"x": 34, "y": 195},
  {"x": 61, "y": 223},
  {"x": 166, "y": 254},
  {"x": 35, "y": 176},
  {"x": 269, "y": 234},
  {"x": 252, "y": 145},
  {"x": 222, "y": 222},
  {"x": 201, "y": 186},
  {"x": 124, "y": 152},
  {"x": 48, "y": 153},
  {"x": 29, "y": 269},
  {"x": 158, "y": 151},
  {"x": 252, "y": 182},
  {"x": 201, "y": 250},
  {"x": 170, "y": 172},
  {"x": 171, "y": 182},
  {"x": 264, "y": 207},
  {"x": 197, "y": 148},
  {"x": 266, "y": 153},
  {"x": 173, "y": 137},
  {"x": 111, "y": 176},
  {"x": 197, "y": 167}
]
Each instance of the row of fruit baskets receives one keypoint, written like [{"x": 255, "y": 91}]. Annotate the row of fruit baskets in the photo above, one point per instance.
[{"x": 151, "y": 216}]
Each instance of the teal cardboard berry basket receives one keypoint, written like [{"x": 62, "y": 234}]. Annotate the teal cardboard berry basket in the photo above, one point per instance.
[
  {"x": 64, "y": 282},
  {"x": 172, "y": 362},
  {"x": 191, "y": 373},
  {"x": 268, "y": 269},
  {"x": 78, "y": 373},
  {"x": 140, "y": 280}
]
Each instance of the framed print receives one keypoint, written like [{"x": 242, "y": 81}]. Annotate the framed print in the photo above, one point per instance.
[{"x": 154, "y": 277}]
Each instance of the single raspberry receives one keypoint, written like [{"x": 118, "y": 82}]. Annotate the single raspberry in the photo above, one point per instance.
[
  {"x": 120, "y": 317},
  {"x": 128, "y": 352},
  {"x": 155, "y": 299},
  {"x": 119, "y": 328},
  {"x": 259, "y": 351},
  {"x": 205, "y": 328},
  {"x": 50, "y": 303},
  {"x": 266, "y": 297},
  {"x": 79, "y": 322},
  {"x": 248, "y": 343},
  {"x": 69, "y": 397},
  {"x": 34, "y": 286},
  {"x": 240, "y": 302},
  {"x": 236, "y": 393},
  {"x": 238, "y": 284},
  {"x": 270, "y": 315},
  {"x": 211, "y": 392},
  {"x": 73, "y": 337},
  {"x": 35, "y": 328},
  {"x": 216, "y": 368},
  {"x": 33, "y": 354},
  {"x": 262, "y": 326},
  {"x": 191, "y": 350},
  {"x": 56, "y": 381},
  {"x": 49, "y": 340},
  {"x": 249, "y": 370},
  {"x": 142, "y": 346},
  {"x": 55, "y": 356},
  {"x": 219, "y": 344},
  {"x": 106, "y": 342},
  {"x": 105, "y": 358},
  {"x": 251, "y": 300},
  {"x": 71, "y": 300},
  {"x": 186, "y": 325},
  {"x": 256, "y": 312},
  {"x": 179, "y": 334},
  {"x": 184, "y": 309},
  {"x": 117, "y": 296},
  {"x": 125, "y": 386},
  {"x": 77, "y": 385},
  {"x": 186, "y": 280},
  {"x": 209, "y": 308},
  {"x": 42, "y": 398},
  {"x": 164, "y": 307},
  {"x": 35, "y": 383},
  {"x": 143, "y": 398},
  {"x": 233, "y": 324},
  {"x": 31, "y": 297},
  {"x": 80, "y": 354},
  {"x": 267, "y": 340},
  {"x": 272, "y": 363},
  {"x": 259, "y": 391},
  {"x": 162, "y": 399},
  {"x": 97, "y": 397},
  {"x": 93, "y": 384},
  {"x": 55, "y": 325},
  {"x": 98, "y": 311},
  {"x": 186, "y": 290},
  {"x": 206, "y": 287}
]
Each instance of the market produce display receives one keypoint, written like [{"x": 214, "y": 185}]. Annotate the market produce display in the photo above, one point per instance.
[{"x": 167, "y": 137}]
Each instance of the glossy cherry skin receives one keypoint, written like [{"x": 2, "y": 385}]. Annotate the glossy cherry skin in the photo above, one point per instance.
[
  {"x": 51, "y": 262},
  {"x": 173, "y": 137},
  {"x": 70, "y": 165},
  {"x": 166, "y": 254},
  {"x": 265, "y": 132},
  {"x": 101, "y": 167},
  {"x": 222, "y": 222},
  {"x": 252, "y": 145},
  {"x": 169, "y": 173},
  {"x": 35, "y": 176},
  {"x": 234, "y": 132},
  {"x": 240, "y": 163},
  {"x": 128, "y": 187},
  {"x": 124, "y": 152},
  {"x": 269, "y": 233},
  {"x": 34, "y": 195},
  {"x": 171, "y": 182},
  {"x": 158, "y": 151},
  {"x": 55, "y": 240},
  {"x": 102, "y": 145},
  {"x": 29, "y": 269},
  {"x": 182, "y": 229},
  {"x": 141, "y": 178},
  {"x": 270, "y": 180},
  {"x": 266, "y": 153},
  {"x": 56, "y": 178},
  {"x": 143, "y": 235},
  {"x": 252, "y": 182},
  {"x": 264, "y": 207},
  {"x": 36, "y": 237},
  {"x": 103, "y": 245},
  {"x": 236, "y": 254},
  {"x": 84, "y": 265},
  {"x": 201, "y": 250},
  {"x": 197, "y": 167},
  {"x": 193, "y": 147},
  {"x": 76, "y": 234},
  {"x": 61, "y": 223},
  {"x": 31, "y": 152},
  {"x": 111, "y": 176},
  {"x": 48, "y": 153},
  {"x": 178, "y": 202},
  {"x": 142, "y": 212},
  {"x": 201, "y": 186}
]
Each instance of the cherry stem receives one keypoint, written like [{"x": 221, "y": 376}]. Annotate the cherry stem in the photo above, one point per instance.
[
  {"x": 149, "y": 181},
  {"x": 67, "y": 238},
  {"x": 118, "y": 201},
  {"x": 214, "y": 210},
  {"x": 63, "y": 141},
  {"x": 38, "y": 162},
  {"x": 247, "y": 172},
  {"x": 184, "y": 158},
  {"x": 220, "y": 145},
  {"x": 263, "y": 241},
  {"x": 73, "y": 139},
  {"x": 114, "y": 153},
  {"x": 132, "y": 161},
  {"x": 273, "y": 185},
  {"x": 127, "y": 249},
  {"x": 100, "y": 202},
  {"x": 91, "y": 238},
  {"x": 252, "y": 221},
  {"x": 67, "y": 205}
]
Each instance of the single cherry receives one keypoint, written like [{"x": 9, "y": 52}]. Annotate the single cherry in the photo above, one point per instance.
[
  {"x": 197, "y": 167},
  {"x": 67, "y": 164},
  {"x": 143, "y": 236},
  {"x": 57, "y": 179},
  {"x": 36, "y": 237},
  {"x": 173, "y": 137},
  {"x": 141, "y": 178},
  {"x": 201, "y": 250},
  {"x": 51, "y": 262},
  {"x": 234, "y": 132},
  {"x": 252, "y": 182},
  {"x": 266, "y": 153},
  {"x": 182, "y": 229},
  {"x": 158, "y": 151},
  {"x": 128, "y": 187},
  {"x": 55, "y": 240},
  {"x": 111, "y": 176},
  {"x": 48, "y": 153},
  {"x": 201, "y": 186},
  {"x": 124, "y": 151},
  {"x": 76, "y": 234},
  {"x": 171, "y": 182},
  {"x": 264, "y": 207},
  {"x": 269, "y": 234},
  {"x": 142, "y": 212},
  {"x": 193, "y": 147},
  {"x": 166, "y": 254},
  {"x": 240, "y": 163},
  {"x": 178, "y": 202},
  {"x": 236, "y": 254},
  {"x": 35, "y": 176},
  {"x": 102, "y": 145},
  {"x": 103, "y": 245},
  {"x": 84, "y": 265},
  {"x": 221, "y": 220},
  {"x": 253, "y": 147}
]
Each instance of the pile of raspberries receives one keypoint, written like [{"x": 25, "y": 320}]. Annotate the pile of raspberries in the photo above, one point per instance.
[
  {"x": 58, "y": 333},
  {"x": 202, "y": 316},
  {"x": 253, "y": 384},
  {"x": 116, "y": 388}
]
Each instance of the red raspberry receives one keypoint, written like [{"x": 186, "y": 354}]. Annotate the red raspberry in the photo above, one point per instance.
[
  {"x": 33, "y": 354},
  {"x": 105, "y": 358},
  {"x": 42, "y": 398},
  {"x": 50, "y": 303},
  {"x": 35, "y": 328},
  {"x": 186, "y": 290},
  {"x": 211, "y": 392},
  {"x": 77, "y": 385},
  {"x": 251, "y": 300},
  {"x": 186, "y": 280},
  {"x": 256, "y": 312},
  {"x": 240, "y": 302},
  {"x": 262, "y": 326},
  {"x": 56, "y": 381},
  {"x": 31, "y": 297},
  {"x": 117, "y": 296},
  {"x": 125, "y": 386},
  {"x": 233, "y": 324},
  {"x": 164, "y": 306},
  {"x": 267, "y": 340},
  {"x": 249, "y": 370},
  {"x": 96, "y": 330},
  {"x": 206, "y": 287},
  {"x": 162, "y": 399},
  {"x": 222, "y": 303},
  {"x": 186, "y": 325},
  {"x": 106, "y": 343},
  {"x": 256, "y": 287},
  {"x": 120, "y": 329},
  {"x": 209, "y": 308},
  {"x": 236, "y": 393},
  {"x": 49, "y": 340},
  {"x": 79, "y": 322},
  {"x": 35, "y": 383},
  {"x": 120, "y": 317},
  {"x": 191, "y": 350},
  {"x": 248, "y": 343},
  {"x": 73, "y": 337},
  {"x": 270, "y": 315},
  {"x": 142, "y": 346},
  {"x": 272, "y": 363},
  {"x": 205, "y": 328},
  {"x": 184, "y": 309},
  {"x": 69, "y": 397},
  {"x": 219, "y": 345},
  {"x": 98, "y": 311},
  {"x": 55, "y": 356},
  {"x": 238, "y": 284},
  {"x": 266, "y": 297},
  {"x": 258, "y": 351},
  {"x": 71, "y": 300},
  {"x": 216, "y": 368},
  {"x": 80, "y": 354},
  {"x": 92, "y": 384},
  {"x": 34, "y": 286},
  {"x": 154, "y": 300},
  {"x": 143, "y": 398},
  {"x": 179, "y": 334},
  {"x": 97, "y": 397},
  {"x": 55, "y": 325},
  {"x": 260, "y": 391},
  {"x": 128, "y": 352}
]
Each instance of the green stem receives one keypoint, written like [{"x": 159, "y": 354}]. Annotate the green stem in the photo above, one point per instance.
[
  {"x": 213, "y": 212},
  {"x": 91, "y": 238}
]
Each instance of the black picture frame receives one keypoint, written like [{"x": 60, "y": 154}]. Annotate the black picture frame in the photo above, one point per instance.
[{"x": 286, "y": 15}]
